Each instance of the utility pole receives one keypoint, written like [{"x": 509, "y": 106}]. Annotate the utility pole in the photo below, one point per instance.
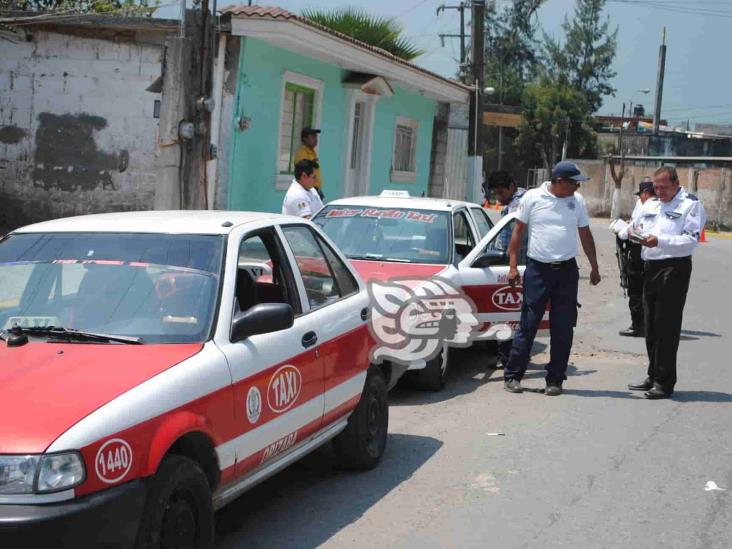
[
  {"x": 461, "y": 8},
  {"x": 475, "y": 147},
  {"x": 659, "y": 83}
]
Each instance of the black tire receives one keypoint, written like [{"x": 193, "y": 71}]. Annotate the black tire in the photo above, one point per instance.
[
  {"x": 179, "y": 510},
  {"x": 433, "y": 377},
  {"x": 361, "y": 444}
]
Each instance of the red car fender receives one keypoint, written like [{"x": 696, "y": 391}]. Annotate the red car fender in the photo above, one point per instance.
[{"x": 173, "y": 427}]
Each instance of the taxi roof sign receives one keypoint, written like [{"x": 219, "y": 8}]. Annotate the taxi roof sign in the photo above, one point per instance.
[{"x": 391, "y": 193}]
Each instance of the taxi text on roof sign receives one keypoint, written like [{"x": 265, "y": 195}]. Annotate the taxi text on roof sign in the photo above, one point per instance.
[{"x": 392, "y": 193}]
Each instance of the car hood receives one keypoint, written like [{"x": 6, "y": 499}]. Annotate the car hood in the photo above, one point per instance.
[
  {"x": 381, "y": 271},
  {"x": 45, "y": 388}
]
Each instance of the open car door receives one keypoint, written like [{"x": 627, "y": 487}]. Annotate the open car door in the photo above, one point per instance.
[{"x": 483, "y": 275}]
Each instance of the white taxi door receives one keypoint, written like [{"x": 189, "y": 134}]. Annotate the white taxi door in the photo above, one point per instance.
[
  {"x": 483, "y": 275},
  {"x": 278, "y": 376}
]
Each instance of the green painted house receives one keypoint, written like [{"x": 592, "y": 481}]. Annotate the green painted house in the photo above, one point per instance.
[{"x": 278, "y": 72}]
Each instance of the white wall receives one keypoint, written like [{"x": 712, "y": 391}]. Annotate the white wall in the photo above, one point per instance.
[{"x": 72, "y": 110}]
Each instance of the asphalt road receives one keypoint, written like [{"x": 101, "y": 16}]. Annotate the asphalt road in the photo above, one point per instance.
[{"x": 474, "y": 466}]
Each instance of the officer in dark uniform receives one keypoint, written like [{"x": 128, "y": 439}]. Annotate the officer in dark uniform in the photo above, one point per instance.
[
  {"x": 632, "y": 265},
  {"x": 668, "y": 229}
]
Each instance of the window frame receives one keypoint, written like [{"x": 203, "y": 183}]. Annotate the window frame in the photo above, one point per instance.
[
  {"x": 477, "y": 211},
  {"x": 523, "y": 251},
  {"x": 400, "y": 176},
  {"x": 319, "y": 240},
  {"x": 283, "y": 180},
  {"x": 289, "y": 276},
  {"x": 470, "y": 232}
]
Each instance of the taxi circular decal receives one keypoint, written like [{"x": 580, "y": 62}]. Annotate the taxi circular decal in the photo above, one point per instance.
[
  {"x": 508, "y": 298},
  {"x": 284, "y": 388},
  {"x": 254, "y": 405},
  {"x": 113, "y": 461}
]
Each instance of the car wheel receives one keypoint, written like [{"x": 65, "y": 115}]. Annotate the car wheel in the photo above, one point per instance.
[
  {"x": 433, "y": 377},
  {"x": 361, "y": 444},
  {"x": 178, "y": 511}
]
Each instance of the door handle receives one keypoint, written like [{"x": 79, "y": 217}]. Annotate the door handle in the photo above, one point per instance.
[
  {"x": 364, "y": 314},
  {"x": 309, "y": 339}
]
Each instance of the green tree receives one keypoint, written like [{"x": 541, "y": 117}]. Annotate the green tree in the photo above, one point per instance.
[
  {"x": 381, "y": 32},
  {"x": 586, "y": 55},
  {"x": 511, "y": 58},
  {"x": 551, "y": 109},
  {"x": 131, "y": 8}
]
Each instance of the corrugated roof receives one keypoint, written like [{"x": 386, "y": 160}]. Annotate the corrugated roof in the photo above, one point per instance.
[{"x": 268, "y": 12}]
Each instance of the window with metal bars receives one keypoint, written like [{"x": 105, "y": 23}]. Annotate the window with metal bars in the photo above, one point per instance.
[
  {"x": 404, "y": 163},
  {"x": 297, "y": 113}
]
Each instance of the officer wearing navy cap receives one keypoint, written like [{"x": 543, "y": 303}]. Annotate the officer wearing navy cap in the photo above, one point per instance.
[
  {"x": 632, "y": 264},
  {"x": 668, "y": 228},
  {"x": 553, "y": 213}
]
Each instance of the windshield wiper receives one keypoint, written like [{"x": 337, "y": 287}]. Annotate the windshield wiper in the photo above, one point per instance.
[
  {"x": 69, "y": 334},
  {"x": 379, "y": 257}
]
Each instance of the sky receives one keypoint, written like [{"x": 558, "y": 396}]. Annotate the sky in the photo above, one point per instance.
[{"x": 698, "y": 77}]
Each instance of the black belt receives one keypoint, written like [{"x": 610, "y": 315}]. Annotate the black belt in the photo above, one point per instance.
[
  {"x": 659, "y": 263},
  {"x": 555, "y": 265}
]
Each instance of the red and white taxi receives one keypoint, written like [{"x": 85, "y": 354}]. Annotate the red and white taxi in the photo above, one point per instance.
[
  {"x": 394, "y": 235},
  {"x": 155, "y": 365}
]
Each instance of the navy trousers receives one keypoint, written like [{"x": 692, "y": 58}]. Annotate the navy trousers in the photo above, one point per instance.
[{"x": 542, "y": 283}]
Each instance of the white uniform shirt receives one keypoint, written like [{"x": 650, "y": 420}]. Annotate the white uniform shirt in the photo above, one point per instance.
[
  {"x": 553, "y": 223},
  {"x": 677, "y": 225},
  {"x": 634, "y": 220},
  {"x": 301, "y": 202}
]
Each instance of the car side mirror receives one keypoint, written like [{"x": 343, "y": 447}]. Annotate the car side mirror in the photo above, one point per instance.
[
  {"x": 262, "y": 319},
  {"x": 490, "y": 258}
]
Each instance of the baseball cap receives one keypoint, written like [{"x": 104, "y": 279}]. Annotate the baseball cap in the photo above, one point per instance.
[
  {"x": 568, "y": 170},
  {"x": 308, "y": 131},
  {"x": 646, "y": 186}
]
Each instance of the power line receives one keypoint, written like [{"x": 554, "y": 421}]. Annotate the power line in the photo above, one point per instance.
[{"x": 679, "y": 8}]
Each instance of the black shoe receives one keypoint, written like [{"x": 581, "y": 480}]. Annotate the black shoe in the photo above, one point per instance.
[
  {"x": 553, "y": 389},
  {"x": 513, "y": 386},
  {"x": 657, "y": 393},
  {"x": 632, "y": 332},
  {"x": 646, "y": 385}
]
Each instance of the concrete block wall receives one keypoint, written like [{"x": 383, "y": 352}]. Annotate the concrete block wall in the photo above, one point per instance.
[
  {"x": 77, "y": 127},
  {"x": 713, "y": 187}
]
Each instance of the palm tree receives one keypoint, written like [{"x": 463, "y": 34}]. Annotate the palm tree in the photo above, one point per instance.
[{"x": 382, "y": 32}]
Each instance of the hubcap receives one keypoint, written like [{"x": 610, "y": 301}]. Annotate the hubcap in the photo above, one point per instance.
[{"x": 373, "y": 416}]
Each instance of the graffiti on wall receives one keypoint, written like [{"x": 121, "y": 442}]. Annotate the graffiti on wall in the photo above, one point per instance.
[{"x": 67, "y": 156}]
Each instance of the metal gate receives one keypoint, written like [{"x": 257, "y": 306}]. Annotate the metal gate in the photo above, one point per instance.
[{"x": 456, "y": 164}]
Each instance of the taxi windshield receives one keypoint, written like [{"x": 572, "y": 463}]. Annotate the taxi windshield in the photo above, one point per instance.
[
  {"x": 159, "y": 288},
  {"x": 388, "y": 234}
]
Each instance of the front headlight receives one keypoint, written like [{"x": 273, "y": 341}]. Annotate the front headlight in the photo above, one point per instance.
[
  {"x": 60, "y": 472},
  {"x": 40, "y": 474},
  {"x": 17, "y": 474}
]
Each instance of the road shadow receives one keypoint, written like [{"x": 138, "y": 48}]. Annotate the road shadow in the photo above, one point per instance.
[
  {"x": 469, "y": 369},
  {"x": 691, "y": 333},
  {"x": 701, "y": 396},
  {"x": 678, "y": 396},
  {"x": 311, "y": 501}
]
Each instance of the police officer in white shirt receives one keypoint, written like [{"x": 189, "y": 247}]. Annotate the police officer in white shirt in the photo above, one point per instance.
[
  {"x": 554, "y": 214},
  {"x": 302, "y": 199},
  {"x": 669, "y": 227}
]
